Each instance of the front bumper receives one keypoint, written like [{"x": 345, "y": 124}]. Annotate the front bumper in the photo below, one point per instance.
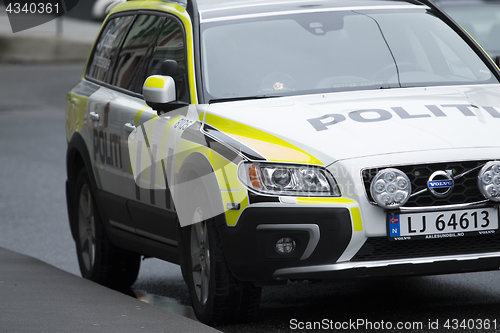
[{"x": 323, "y": 234}]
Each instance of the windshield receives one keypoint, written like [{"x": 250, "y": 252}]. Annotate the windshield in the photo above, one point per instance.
[
  {"x": 334, "y": 51},
  {"x": 481, "y": 20}
]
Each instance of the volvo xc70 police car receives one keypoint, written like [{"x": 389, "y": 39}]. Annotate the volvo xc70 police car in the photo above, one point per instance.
[{"x": 253, "y": 142}]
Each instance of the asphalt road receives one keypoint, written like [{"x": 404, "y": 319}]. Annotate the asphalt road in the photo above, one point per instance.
[{"x": 33, "y": 221}]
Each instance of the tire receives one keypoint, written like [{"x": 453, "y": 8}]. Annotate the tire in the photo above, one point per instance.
[
  {"x": 99, "y": 260},
  {"x": 217, "y": 296}
]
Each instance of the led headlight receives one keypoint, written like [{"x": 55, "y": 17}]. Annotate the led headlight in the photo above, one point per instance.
[
  {"x": 489, "y": 181},
  {"x": 391, "y": 188},
  {"x": 279, "y": 179}
]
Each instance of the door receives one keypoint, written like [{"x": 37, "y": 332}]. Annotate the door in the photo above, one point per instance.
[{"x": 152, "y": 210}]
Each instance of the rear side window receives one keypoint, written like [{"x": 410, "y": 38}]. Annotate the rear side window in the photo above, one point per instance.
[
  {"x": 132, "y": 60},
  {"x": 105, "y": 52}
]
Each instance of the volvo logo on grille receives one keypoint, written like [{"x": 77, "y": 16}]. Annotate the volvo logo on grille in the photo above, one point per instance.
[{"x": 441, "y": 183}]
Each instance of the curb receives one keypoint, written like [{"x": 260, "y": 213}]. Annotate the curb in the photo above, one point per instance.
[{"x": 39, "y": 298}]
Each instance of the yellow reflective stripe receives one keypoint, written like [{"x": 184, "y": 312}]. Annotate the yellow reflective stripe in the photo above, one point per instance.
[
  {"x": 270, "y": 146},
  {"x": 226, "y": 175},
  {"x": 160, "y": 179},
  {"x": 147, "y": 154},
  {"x": 154, "y": 82},
  {"x": 316, "y": 200},
  {"x": 132, "y": 147},
  {"x": 161, "y": 175},
  {"x": 137, "y": 117},
  {"x": 240, "y": 197},
  {"x": 225, "y": 171},
  {"x": 76, "y": 106},
  {"x": 164, "y": 138},
  {"x": 356, "y": 219},
  {"x": 190, "y": 53},
  {"x": 227, "y": 178},
  {"x": 149, "y": 130}
]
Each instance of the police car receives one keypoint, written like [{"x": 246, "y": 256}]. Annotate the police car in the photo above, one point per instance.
[{"x": 256, "y": 142}]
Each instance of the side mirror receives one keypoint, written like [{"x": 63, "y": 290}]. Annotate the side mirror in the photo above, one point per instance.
[{"x": 159, "y": 89}]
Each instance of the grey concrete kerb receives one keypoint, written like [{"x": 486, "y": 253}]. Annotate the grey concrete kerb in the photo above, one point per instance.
[{"x": 39, "y": 298}]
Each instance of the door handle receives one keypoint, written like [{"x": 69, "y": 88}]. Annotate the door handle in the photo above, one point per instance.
[
  {"x": 94, "y": 116},
  {"x": 129, "y": 127}
]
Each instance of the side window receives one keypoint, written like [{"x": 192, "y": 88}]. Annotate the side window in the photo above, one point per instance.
[
  {"x": 134, "y": 52},
  {"x": 104, "y": 55},
  {"x": 171, "y": 46}
]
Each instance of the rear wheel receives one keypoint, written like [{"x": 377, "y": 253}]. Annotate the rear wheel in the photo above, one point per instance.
[
  {"x": 99, "y": 260},
  {"x": 217, "y": 296}
]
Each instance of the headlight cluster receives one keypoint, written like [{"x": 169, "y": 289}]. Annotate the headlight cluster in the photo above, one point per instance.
[
  {"x": 287, "y": 180},
  {"x": 489, "y": 181},
  {"x": 391, "y": 188}
]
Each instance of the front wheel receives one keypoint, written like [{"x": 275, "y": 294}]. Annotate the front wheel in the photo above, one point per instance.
[
  {"x": 217, "y": 296},
  {"x": 99, "y": 260}
]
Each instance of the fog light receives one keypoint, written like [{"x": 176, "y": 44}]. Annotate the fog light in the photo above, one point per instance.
[
  {"x": 285, "y": 245},
  {"x": 489, "y": 181},
  {"x": 391, "y": 188}
]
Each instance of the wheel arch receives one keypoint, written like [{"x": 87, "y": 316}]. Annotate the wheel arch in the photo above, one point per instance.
[
  {"x": 197, "y": 166},
  {"x": 77, "y": 157},
  {"x": 194, "y": 166}
]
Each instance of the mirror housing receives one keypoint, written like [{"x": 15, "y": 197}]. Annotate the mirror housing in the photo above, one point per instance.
[{"x": 159, "y": 89}]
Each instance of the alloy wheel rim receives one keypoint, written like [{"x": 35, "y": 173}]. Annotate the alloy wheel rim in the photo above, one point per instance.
[
  {"x": 200, "y": 256},
  {"x": 86, "y": 227}
]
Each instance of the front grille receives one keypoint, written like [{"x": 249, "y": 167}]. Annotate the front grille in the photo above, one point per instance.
[
  {"x": 464, "y": 191},
  {"x": 380, "y": 248}
]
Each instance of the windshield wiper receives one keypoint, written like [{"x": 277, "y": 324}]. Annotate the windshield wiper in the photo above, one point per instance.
[{"x": 243, "y": 98}]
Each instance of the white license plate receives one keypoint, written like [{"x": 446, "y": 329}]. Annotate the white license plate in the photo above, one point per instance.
[{"x": 442, "y": 224}]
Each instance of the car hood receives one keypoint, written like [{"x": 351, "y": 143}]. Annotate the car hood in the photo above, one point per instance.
[{"x": 336, "y": 126}]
